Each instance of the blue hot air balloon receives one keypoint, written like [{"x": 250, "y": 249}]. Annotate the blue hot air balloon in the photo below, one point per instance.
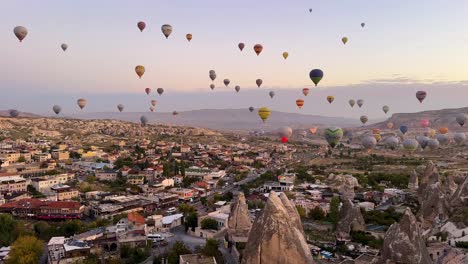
[
  {"x": 404, "y": 129},
  {"x": 316, "y": 75}
]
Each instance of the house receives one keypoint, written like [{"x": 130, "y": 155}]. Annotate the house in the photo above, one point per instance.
[
  {"x": 63, "y": 250},
  {"x": 172, "y": 221},
  {"x": 109, "y": 175},
  {"x": 12, "y": 184},
  {"x": 277, "y": 186},
  {"x": 196, "y": 259},
  {"x": 64, "y": 192},
  {"x": 47, "y": 210},
  {"x": 183, "y": 193}
]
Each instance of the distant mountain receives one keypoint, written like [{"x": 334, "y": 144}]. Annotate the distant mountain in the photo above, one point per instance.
[
  {"x": 22, "y": 114},
  {"x": 227, "y": 119}
]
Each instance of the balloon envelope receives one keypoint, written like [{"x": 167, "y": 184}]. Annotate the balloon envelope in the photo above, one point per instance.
[
  {"x": 313, "y": 130},
  {"x": 120, "y": 107},
  {"x": 333, "y": 136},
  {"x": 410, "y": 144},
  {"x": 237, "y": 88},
  {"x": 57, "y": 109},
  {"x": 385, "y": 108},
  {"x": 147, "y": 91},
  {"x": 305, "y": 91},
  {"x": 433, "y": 144},
  {"x": 461, "y": 118},
  {"x": 299, "y": 103},
  {"x": 352, "y": 102},
  {"x": 344, "y": 40},
  {"x": 423, "y": 141},
  {"x": 141, "y": 26},
  {"x": 226, "y": 82},
  {"x": 392, "y": 142},
  {"x": 443, "y": 139},
  {"x": 459, "y": 138},
  {"x": 369, "y": 142},
  {"x": 316, "y": 75},
  {"x": 285, "y": 131},
  {"x": 188, "y": 37},
  {"x": 258, "y": 49},
  {"x": 259, "y": 82},
  {"x": 143, "y": 120},
  {"x": 272, "y": 94},
  {"x": 64, "y": 46},
  {"x": 81, "y": 103},
  {"x": 251, "y": 109},
  {"x": 285, "y": 55},
  {"x": 443, "y": 130},
  {"x": 363, "y": 24},
  {"x": 241, "y": 46},
  {"x": 421, "y": 95},
  {"x": 212, "y": 86},
  {"x": 264, "y": 113},
  {"x": 140, "y": 70},
  {"x": 330, "y": 98},
  {"x": 364, "y": 119},
  {"x": 424, "y": 123},
  {"x": 160, "y": 91},
  {"x": 13, "y": 113},
  {"x": 403, "y": 129},
  {"x": 154, "y": 102},
  {"x": 389, "y": 125},
  {"x": 20, "y": 32},
  {"x": 166, "y": 30},
  {"x": 360, "y": 102}
]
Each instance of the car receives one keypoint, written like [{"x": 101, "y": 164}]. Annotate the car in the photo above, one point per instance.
[
  {"x": 171, "y": 210},
  {"x": 155, "y": 237}
]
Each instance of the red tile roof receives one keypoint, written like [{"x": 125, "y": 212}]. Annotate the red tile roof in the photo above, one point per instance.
[{"x": 136, "y": 218}]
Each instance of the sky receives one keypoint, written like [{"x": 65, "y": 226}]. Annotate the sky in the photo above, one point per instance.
[{"x": 405, "y": 46}]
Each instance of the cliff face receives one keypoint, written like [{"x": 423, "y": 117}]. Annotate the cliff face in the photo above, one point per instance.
[
  {"x": 239, "y": 223},
  {"x": 277, "y": 236},
  {"x": 350, "y": 220},
  {"x": 403, "y": 242},
  {"x": 344, "y": 184}
]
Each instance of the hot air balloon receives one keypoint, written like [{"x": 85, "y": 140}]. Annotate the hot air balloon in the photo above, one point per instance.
[
  {"x": 421, "y": 95},
  {"x": 423, "y": 141},
  {"x": 429, "y": 132},
  {"x": 141, "y": 26},
  {"x": 212, "y": 86},
  {"x": 154, "y": 102},
  {"x": 364, "y": 119},
  {"x": 175, "y": 113},
  {"x": 459, "y": 138},
  {"x": 349, "y": 135},
  {"x": 389, "y": 125},
  {"x": 264, "y": 113},
  {"x": 310, "y": 10},
  {"x": 333, "y": 136},
  {"x": 433, "y": 144},
  {"x": 81, "y": 103},
  {"x": 330, "y": 98},
  {"x": 344, "y": 40},
  {"x": 285, "y": 55},
  {"x": 313, "y": 130},
  {"x": 299, "y": 103},
  {"x": 392, "y": 142},
  {"x": 151, "y": 108},
  {"x": 212, "y": 75},
  {"x": 305, "y": 91},
  {"x": 403, "y": 129},
  {"x": 166, "y": 30},
  {"x": 120, "y": 107},
  {"x": 160, "y": 91},
  {"x": 251, "y": 109},
  {"x": 259, "y": 82},
  {"x": 443, "y": 139},
  {"x": 424, "y": 123},
  {"x": 352, "y": 102},
  {"x": 226, "y": 82},
  {"x": 375, "y": 131},
  {"x": 147, "y": 91},
  {"x": 461, "y": 119},
  {"x": 188, "y": 37},
  {"x": 360, "y": 102},
  {"x": 410, "y": 144},
  {"x": 369, "y": 142},
  {"x": 316, "y": 75},
  {"x": 140, "y": 70},
  {"x": 285, "y": 131},
  {"x": 13, "y": 113},
  {"x": 284, "y": 140},
  {"x": 272, "y": 94},
  {"x": 57, "y": 109},
  {"x": 377, "y": 137},
  {"x": 20, "y": 32},
  {"x": 443, "y": 130},
  {"x": 237, "y": 88},
  {"x": 64, "y": 47},
  {"x": 385, "y": 108},
  {"x": 363, "y": 24},
  {"x": 143, "y": 120},
  {"x": 258, "y": 49},
  {"x": 241, "y": 46}
]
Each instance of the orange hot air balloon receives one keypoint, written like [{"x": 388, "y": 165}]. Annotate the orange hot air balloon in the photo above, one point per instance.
[
  {"x": 313, "y": 130},
  {"x": 140, "y": 70},
  {"x": 443, "y": 130},
  {"x": 258, "y": 49},
  {"x": 305, "y": 91},
  {"x": 189, "y": 37},
  {"x": 299, "y": 103},
  {"x": 375, "y": 131}
]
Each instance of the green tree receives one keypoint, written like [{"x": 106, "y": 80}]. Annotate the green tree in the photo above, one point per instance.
[
  {"x": 191, "y": 221},
  {"x": 7, "y": 229},
  {"x": 211, "y": 250},
  {"x": 334, "y": 211},
  {"x": 301, "y": 211},
  {"x": 209, "y": 223},
  {"x": 21, "y": 159},
  {"x": 203, "y": 200},
  {"x": 317, "y": 214},
  {"x": 25, "y": 250},
  {"x": 185, "y": 209},
  {"x": 178, "y": 249}
]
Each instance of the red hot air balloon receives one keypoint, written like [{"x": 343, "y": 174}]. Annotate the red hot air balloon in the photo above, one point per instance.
[
  {"x": 258, "y": 49},
  {"x": 305, "y": 91},
  {"x": 147, "y": 91},
  {"x": 141, "y": 26},
  {"x": 284, "y": 139},
  {"x": 421, "y": 95}
]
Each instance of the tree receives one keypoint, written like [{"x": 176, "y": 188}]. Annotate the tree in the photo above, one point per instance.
[
  {"x": 185, "y": 209},
  {"x": 191, "y": 221},
  {"x": 75, "y": 155},
  {"x": 21, "y": 159},
  {"x": 203, "y": 200},
  {"x": 25, "y": 250},
  {"x": 317, "y": 214},
  {"x": 221, "y": 183},
  {"x": 301, "y": 211},
  {"x": 7, "y": 229},
  {"x": 334, "y": 211},
  {"x": 178, "y": 249},
  {"x": 209, "y": 223},
  {"x": 211, "y": 250}
]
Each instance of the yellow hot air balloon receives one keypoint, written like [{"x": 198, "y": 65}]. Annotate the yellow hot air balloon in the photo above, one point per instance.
[
  {"x": 344, "y": 40},
  {"x": 264, "y": 113},
  {"x": 285, "y": 55},
  {"x": 140, "y": 70},
  {"x": 189, "y": 37},
  {"x": 330, "y": 98}
]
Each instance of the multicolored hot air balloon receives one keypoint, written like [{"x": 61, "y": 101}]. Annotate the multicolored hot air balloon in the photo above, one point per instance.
[
  {"x": 421, "y": 95},
  {"x": 424, "y": 123},
  {"x": 13, "y": 113},
  {"x": 430, "y": 132},
  {"x": 461, "y": 118},
  {"x": 141, "y": 26},
  {"x": 285, "y": 55},
  {"x": 241, "y": 46},
  {"x": 237, "y": 88},
  {"x": 360, "y": 102},
  {"x": 81, "y": 103},
  {"x": 226, "y": 82},
  {"x": 305, "y": 91},
  {"x": 272, "y": 94},
  {"x": 316, "y": 75},
  {"x": 188, "y": 37},
  {"x": 369, "y": 142},
  {"x": 299, "y": 103},
  {"x": 344, "y": 40},
  {"x": 258, "y": 49},
  {"x": 259, "y": 82},
  {"x": 251, "y": 109},
  {"x": 154, "y": 102},
  {"x": 333, "y": 136},
  {"x": 64, "y": 47},
  {"x": 166, "y": 30},
  {"x": 313, "y": 130},
  {"x": 160, "y": 91},
  {"x": 143, "y": 120},
  {"x": 57, "y": 109},
  {"x": 410, "y": 144},
  {"x": 352, "y": 102},
  {"x": 364, "y": 119},
  {"x": 147, "y": 91},
  {"x": 385, "y": 108},
  {"x": 443, "y": 130},
  {"x": 330, "y": 98},
  {"x": 403, "y": 129},
  {"x": 264, "y": 113},
  {"x": 120, "y": 107},
  {"x": 20, "y": 32},
  {"x": 140, "y": 70}
]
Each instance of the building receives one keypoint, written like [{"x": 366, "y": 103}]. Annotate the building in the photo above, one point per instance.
[
  {"x": 166, "y": 200},
  {"x": 110, "y": 175},
  {"x": 42, "y": 157},
  {"x": 47, "y": 210},
  {"x": 196, "y": 259},
  {"x": 183, "y": 193},
  {"x": 278, "y": 186},
  {"x": 64, "y": 192},
  {"x": 195, "y": 171},
  {"x": 61, "y": 250},
  {"x": 12, "y": 184},
  {"x": 221, "y": 218},
  {"x": 172, "y": 221},
  {"x": 43, "y": 184},
  {"x": 136, "y": 180},
  {"x": 60, "y": 155},
  {"x": 10, "y": 156}
]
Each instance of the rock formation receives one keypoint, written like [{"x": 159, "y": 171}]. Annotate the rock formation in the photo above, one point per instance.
[
  {"x": 413, "y": 184},
  {"x": 344, "y": 184},
  {"x": 277, "y": 236},
  {"x": 350, "y": 220},
  {"x": 403, "y": 242},
  {"x": 460, "y": 197},
  {"x": 239, "y": 223}
]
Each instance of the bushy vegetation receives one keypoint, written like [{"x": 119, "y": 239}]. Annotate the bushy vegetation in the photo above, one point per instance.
[
  {"x": 209, "y": 223},
  {"x": 386, "y": 218},
  {"x": 366, "y": 239}
]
